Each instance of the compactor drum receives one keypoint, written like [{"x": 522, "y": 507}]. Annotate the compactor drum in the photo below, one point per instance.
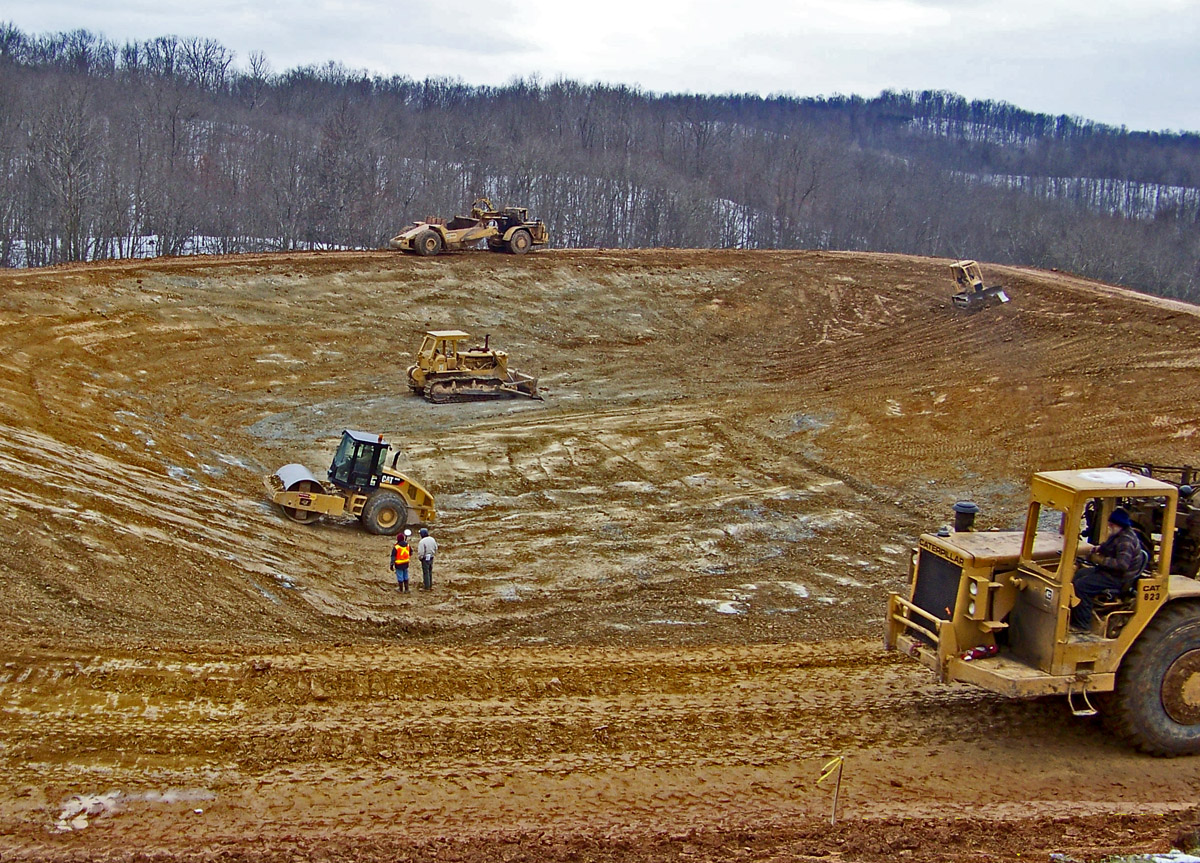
[
  {"x": 445, "y": 371},
  {"x": 993, "y": 608},
  {"x": 507, "y": 230},
  {"x": 359, "y": 484}
]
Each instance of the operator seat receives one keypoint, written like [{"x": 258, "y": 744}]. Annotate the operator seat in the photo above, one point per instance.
[{"x": 1112, "y": 608}]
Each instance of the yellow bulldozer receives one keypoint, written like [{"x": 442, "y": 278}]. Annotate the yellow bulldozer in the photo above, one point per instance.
[
  {"x": 446, "y": 371},
  {"x": 506, "y": 230},
  {"x": 993, "y": 608},
  {"x": 972, "y": 295},
  {"x": 359, "y": 484}
]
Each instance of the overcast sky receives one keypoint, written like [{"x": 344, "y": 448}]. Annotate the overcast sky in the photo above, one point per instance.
[{"x": 1124, "y": 62}]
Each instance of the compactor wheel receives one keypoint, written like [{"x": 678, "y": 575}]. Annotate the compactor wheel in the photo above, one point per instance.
[
  {"x": 301, "y": 516},
  {"x": 520, "y": 242},
  {"x": 1156, "y": 705},
  {"x": 427, "y": 243},
  {"x": 384, "y": 512}
]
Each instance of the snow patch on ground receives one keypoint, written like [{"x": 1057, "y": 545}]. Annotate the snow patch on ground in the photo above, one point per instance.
[
  {"x": 78, "y": 810},
  {"x": 724, "y": 606},
  {"x": 794, "y": 587},
  {"x": 467, "y": 501}
]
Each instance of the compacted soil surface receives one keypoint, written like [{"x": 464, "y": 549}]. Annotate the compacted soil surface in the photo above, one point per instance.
[{"x": 659, "y": 593}]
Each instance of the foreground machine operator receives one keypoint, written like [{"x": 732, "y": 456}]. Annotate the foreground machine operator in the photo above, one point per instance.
[{"x": 1115, "y": 562}]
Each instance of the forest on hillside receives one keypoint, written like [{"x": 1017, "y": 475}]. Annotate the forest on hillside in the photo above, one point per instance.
[{"x": 167, "y": 147}]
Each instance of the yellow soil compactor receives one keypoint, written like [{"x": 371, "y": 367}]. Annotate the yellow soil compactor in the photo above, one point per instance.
[
  {"x": 360, "y": 484},
  {"x": 447, "y": 372},
  {"x": 993, "y": 608},
  {"x": 507, "y": 230}
]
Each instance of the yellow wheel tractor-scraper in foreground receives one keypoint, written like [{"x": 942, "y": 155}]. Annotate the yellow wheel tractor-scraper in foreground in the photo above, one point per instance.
[
  {"x": 506, "y": 230},
  {"x": 360, "y": 484},
  {"x": 447, "y": 372},
  {"x": 993, "y": 608}
]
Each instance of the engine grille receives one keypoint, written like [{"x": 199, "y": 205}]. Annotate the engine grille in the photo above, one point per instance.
[{"x": 936, "y": 590}]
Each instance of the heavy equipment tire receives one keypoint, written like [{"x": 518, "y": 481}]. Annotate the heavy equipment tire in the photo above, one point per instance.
[
  {"x": 520, "y": 242},
  {"x": 1156, "y": 704},
  {"x": 384, "y": 512},
  {"x": 427, "y": 243}
]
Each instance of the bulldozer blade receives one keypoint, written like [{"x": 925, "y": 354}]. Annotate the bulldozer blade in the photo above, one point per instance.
[
  {"x": 519, "y": 391},
  {"x": 979, "y": 299}
]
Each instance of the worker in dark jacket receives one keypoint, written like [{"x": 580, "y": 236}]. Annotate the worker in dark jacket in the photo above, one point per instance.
[
  {"x": 1115, "y": 563},
  {"x": 426, "y": 549}
]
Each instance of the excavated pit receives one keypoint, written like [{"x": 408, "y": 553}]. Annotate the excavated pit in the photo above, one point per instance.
[{"x": 660, "y": 591}]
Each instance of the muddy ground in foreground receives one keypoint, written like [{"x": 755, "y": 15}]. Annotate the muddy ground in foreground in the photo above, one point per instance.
[{"x": 659, "y": 594}]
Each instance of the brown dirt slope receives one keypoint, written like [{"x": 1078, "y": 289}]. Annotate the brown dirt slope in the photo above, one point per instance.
[{"x": 656, "y": 608}]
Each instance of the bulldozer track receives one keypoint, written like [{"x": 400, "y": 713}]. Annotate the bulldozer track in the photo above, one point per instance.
[{"x": 477, "y": 389}]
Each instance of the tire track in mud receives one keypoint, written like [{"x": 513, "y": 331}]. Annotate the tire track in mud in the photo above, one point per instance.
[
  {"x": 474, "y": 741},
  {"x": 99, "y": 504},
  {"x": 1047, "y": 380},
  {"x": 520, "y": 709},
  {"x": 685, "y": 495}
]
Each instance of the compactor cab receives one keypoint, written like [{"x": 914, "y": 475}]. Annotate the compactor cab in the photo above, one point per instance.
[
  {"x": 993, "y": 608},
  {"x": 358, "y": 463}
]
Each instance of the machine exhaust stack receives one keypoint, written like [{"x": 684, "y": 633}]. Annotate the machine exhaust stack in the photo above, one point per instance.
[{"x": 964, "y": 516}]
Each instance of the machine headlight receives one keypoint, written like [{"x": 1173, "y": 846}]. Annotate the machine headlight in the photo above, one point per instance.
[{"x": 971, "y": 608}]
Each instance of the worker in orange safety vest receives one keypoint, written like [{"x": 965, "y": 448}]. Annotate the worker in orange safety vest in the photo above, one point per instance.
[{"x": 400, "y": 557}]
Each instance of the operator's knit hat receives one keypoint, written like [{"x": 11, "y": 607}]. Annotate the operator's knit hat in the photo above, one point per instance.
[{"x": 1121, "y": 517}]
